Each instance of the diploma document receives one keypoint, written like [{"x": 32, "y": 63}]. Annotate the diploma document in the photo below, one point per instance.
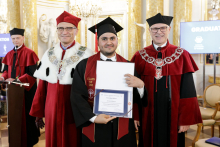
[{"x": 113, "y": 96}]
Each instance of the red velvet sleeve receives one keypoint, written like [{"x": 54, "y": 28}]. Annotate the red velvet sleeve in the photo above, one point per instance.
[
  {"x": 27, "y": 79},
  {"x": 189, "y": 112},
  {"x": 5, "y": 75},
  {"x": 38, "y": 104}
]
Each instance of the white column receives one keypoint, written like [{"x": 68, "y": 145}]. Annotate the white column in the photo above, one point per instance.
[
  {"x": 170, "y": 13},
  {"x": 82, "y": 33}
]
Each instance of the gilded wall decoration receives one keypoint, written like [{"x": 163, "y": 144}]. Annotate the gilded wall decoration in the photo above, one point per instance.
[
  {"x": 29, "y": 10},
  {"x": 152, "y": 8},
  {"x": 182, "y": 13},
  {"x": 134, "y": 31},
  {"x": 13, "y": 14},
  {"x": 78, "y": 36}
]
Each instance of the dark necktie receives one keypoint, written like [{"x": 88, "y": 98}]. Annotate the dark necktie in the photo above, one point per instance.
[
  {"x": 108, "y": 59},
  {"x": 159, "y": 49}
]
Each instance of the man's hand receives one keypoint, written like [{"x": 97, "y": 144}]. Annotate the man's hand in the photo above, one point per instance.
[
  {"x": 1, "y": 79},
  {"x": 103, "y": 119},
  {"x": 136, "y": 124},
  {"x": 39, "y": 122},
  {"x": 10, "y": 79},
  {"x": 183, "y": 129},
  {"x": 133, "y": 81}
]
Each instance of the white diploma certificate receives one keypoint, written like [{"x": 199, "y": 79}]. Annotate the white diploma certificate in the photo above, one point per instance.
[
  {"x": 113, "y": 96},
  {"x": 111, "y": 102}
]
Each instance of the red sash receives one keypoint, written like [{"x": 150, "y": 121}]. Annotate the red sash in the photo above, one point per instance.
[{"x": 90, "y": 81}]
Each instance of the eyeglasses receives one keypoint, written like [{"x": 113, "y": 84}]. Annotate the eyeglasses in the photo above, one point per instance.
[
  {"x": 68, "y": 29},
  {"x": 162, "y": 29}
]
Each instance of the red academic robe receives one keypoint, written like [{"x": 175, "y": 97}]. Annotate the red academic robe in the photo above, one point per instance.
[
  {"x": 26, "y": 57},
  {"x": 27, "y": 62},
  {"x": 183, "y": 108},
  {"x": 52, "y": 101}
]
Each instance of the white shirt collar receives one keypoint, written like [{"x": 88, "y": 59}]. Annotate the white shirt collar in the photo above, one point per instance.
[
  {"x": 19, "y": 47},
  {"x": 156, "y": 46},
  {"x": 65, "y": 47},
  {"x": 103, "y": 57}
]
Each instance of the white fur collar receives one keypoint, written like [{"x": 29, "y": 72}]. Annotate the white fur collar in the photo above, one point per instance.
[{"x": 48, "y": 68}]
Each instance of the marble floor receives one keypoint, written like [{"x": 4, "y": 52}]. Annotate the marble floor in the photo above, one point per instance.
[{"x": 189, "y": 135}]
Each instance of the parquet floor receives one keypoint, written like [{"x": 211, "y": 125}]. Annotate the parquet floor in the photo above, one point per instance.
[{"x": 189, "y": 135}]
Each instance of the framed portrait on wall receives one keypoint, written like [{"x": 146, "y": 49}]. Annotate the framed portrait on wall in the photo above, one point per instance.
[{"x": 209, "y": 59}]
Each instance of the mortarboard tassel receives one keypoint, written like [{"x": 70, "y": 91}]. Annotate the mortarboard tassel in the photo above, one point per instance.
[{"x": 96, "y": 40}]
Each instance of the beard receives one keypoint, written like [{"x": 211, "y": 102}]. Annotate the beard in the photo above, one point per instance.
[{"x": 106, "y": 52}]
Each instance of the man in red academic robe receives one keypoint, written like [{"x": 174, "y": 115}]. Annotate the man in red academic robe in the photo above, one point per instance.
[
  {"x": 167, "y": 73},
  {"x": 55, "y": 72},
  {"x": 102, "y": 130},
  {"x": 20, "y": 65}
]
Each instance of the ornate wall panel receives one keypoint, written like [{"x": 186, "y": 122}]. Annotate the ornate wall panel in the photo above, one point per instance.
[
  {"x": 78, "y": 36},
  {"x": 152, "y": 8},
  {"x": 29, "y": 9},
  {"x": 134, "y": 32},
  {"x": 182, "y": 13},
  {"x": 13, "y": 19}
]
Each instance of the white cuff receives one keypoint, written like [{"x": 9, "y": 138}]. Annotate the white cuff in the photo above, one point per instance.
[
  {"x": 92, "y": 119},
  {"x": 141, "y": 91}
]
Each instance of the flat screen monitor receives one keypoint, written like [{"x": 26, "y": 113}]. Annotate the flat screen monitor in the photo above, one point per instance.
[
  {"x": 5, "y": 44},
  {"x": 200, "y": 37}
]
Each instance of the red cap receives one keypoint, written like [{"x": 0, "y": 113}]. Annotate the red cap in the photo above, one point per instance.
[{"x": 67, "y": 17}]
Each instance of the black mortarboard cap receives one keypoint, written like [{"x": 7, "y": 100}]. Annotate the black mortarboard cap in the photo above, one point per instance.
[
  {"x": 107, "y": 25},
  {"x": 159, "y": 19},
  {"x": 17, "y": 31}
]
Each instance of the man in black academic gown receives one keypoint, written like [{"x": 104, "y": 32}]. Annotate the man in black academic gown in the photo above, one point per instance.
[
  {"x": 103, "y": 130},
  {"x": 20, "y": 65}
]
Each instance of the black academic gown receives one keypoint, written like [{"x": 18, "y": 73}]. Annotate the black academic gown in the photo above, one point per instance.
[{"x": 105, "y": 134}]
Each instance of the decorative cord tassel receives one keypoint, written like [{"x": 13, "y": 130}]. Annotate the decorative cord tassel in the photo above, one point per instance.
[
  {"x": 96, "y": 40},
  {"x": 156, "y": 79},
  {"x": 167, "y": 76},
  {"x": 167, "y": 69}
]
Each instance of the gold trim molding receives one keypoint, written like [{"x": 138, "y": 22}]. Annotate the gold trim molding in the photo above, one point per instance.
[
  {"x": 134, "y": 32},
  {"x": 152, "y": 8},
  {"x": 13, "y": 14},
  {"x": 30, "y": 24},
  {"x": 182, "y": 13}
]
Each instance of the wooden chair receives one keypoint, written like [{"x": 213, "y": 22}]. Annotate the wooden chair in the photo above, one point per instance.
[
  {"x": 201, "y": 142},
  {"x": 211, "y": 97}
]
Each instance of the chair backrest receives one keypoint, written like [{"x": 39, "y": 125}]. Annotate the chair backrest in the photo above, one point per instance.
[{"x": 211, "y": 94}]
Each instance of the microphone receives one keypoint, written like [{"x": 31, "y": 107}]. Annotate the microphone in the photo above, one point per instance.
[{"x": 18, "y": 62}]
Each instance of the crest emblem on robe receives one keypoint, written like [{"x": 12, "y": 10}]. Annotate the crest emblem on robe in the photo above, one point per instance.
[{"x": 91, "y": 93}]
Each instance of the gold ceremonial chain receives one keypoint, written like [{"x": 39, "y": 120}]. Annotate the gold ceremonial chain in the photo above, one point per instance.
[
  {"x": 158, "y": 63},
  {"x": 178, "y": 52}
]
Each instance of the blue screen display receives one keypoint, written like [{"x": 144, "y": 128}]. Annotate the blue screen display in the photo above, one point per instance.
[
  {"x": 200, "y": 36},
  {"x": 5, "y": 44}
]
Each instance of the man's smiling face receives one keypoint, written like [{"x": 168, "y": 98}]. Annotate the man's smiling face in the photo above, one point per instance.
[{"x": 160, "y": 36}]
